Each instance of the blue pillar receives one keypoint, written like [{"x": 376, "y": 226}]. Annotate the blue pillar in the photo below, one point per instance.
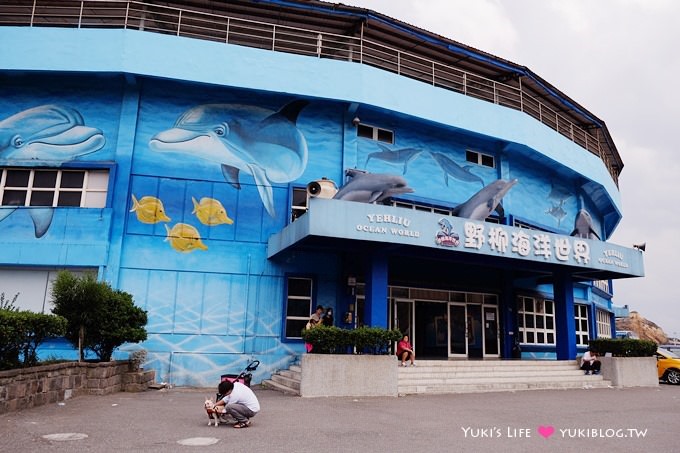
[
  {"x": 564, "y": 316},
  {"x": 375, "y": 308},
  {"x": 508, "y": 311}
]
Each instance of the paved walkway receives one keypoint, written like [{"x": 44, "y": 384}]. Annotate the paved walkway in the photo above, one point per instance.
[{"x": 628, "y": 420}]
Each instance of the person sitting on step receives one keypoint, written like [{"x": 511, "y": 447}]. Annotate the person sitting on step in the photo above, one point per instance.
[
  {"x": 405, "y": 351},
  {"x": 589, "y": 363}
]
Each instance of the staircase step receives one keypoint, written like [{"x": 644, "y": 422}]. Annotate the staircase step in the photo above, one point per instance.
[
  {"x": 273, "y": 385},
  {"x": 288, "y": 382},
  {"x": 499, "y": 387}
]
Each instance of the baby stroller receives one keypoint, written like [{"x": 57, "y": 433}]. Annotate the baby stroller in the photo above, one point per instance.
[{"x": 244, "y": 377}]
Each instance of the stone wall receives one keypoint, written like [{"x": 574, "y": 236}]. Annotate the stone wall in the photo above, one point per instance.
[
  {"x": 348, "y": 375},
  {"x": 36, "y": 386}
]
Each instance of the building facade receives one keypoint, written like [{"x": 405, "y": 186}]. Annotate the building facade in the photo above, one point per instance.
[{"x": 234, "y": 165}]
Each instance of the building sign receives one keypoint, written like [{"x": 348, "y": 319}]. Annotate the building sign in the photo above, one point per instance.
[{"x": 369, "y": 222}]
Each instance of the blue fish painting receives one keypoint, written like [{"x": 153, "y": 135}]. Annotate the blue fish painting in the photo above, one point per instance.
[
  {"x": 52, "y": 133},
  {"x": 48, "y": 132},
  {"x": 263, "y": 143}
]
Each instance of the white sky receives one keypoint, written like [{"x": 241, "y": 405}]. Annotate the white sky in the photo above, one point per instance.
[{"x": 617, "y": 59}]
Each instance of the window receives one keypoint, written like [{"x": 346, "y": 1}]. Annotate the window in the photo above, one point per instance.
[
  {"x": 375, "y": 133},
  {"x": 298, "y": 306},
  {"x": 536, "y": 320},
  {"x": 53, "y": 187},
  {"x": 604, "y": 324},
  {"x": 581, "y": 324},
  {"x": 480, "y": 159},
  {"x": 299, "y": 206},
  {"x": 602, "y": 285}
]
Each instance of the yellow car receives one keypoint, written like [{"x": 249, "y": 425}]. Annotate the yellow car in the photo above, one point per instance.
[{"x": 668, "y": 365}]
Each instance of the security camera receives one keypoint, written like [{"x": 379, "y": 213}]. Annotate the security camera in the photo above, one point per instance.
[
  {"x": 322, "y": 188},
  {"x": 356, "y": 121}
]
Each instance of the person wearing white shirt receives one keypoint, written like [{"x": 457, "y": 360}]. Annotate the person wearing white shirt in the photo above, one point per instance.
[
  {"x": 239, "y": 401},
  {"x": 589, "y": 363}
]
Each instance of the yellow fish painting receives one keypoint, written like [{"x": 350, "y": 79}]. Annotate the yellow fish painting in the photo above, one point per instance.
[
  {"x": 210, "y": 212},
  {"x": 184, "y": 238},
  {"x": 149, "y": 210}
]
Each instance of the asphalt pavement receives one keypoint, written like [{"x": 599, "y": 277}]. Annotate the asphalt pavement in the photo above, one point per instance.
[{"x": 173, "y": 420}]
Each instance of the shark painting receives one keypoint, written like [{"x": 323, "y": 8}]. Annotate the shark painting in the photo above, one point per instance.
[
  {"x": 484, "y": 202},
  {"x": 583, "y": 226},
  {"x": 367, "y": 187},
  {"x": 48, "y": 133},
  {"x": 402, "y": 156},
  {"x": 263, "y": 143},
  {"x": 454, "y": 170},
  {"x": 52, "y": 133}
]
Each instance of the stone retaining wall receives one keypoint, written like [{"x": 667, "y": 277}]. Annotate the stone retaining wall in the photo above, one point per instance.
[{"x": 36, "y": 386}]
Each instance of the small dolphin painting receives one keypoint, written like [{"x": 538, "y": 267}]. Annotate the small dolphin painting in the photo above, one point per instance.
[
  {"x": 210, "y": 212},
  {"x": 454, "y": 170},
  {"x": 484, "y": 202},
  {"x": 583, "y": 226},
  {"x": 401, "y": 157},
  {"x": 149, "y": 210},
  {"x": 184, "y": 238},
  {"x": 48, "y": 132},
  {"x": 263, "y": 143},
  {"x": 367, "y": 187},
  {"x": 558, "y": 212}
]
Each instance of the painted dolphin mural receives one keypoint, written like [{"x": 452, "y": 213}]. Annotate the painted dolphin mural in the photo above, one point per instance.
[
  {"x": 48, "y": 132},
  {"x": 583, "y": 226},
  {"x": 242, "y": 138},
  {"x": 454, "y": 170},
  {"x": 367, "y": 187},
  {"x": 402, "y": 156},
  {"x": 484, "y": 202}
]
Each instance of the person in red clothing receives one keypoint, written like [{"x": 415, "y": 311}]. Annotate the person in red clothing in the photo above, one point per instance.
[{"x": 405, "y": 351}]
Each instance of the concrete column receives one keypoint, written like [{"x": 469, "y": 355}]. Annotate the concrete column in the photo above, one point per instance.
[
  {"x": 564, "y": 316},
  {"x": 375, "y": 308},
  {"x": 508, "y": 313}
]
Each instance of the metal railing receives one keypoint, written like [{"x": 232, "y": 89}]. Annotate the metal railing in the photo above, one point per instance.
[{"x": 243, "y": 32}]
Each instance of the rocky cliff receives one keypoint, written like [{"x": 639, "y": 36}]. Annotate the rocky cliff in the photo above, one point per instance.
[{"x": 644, "y": 328}]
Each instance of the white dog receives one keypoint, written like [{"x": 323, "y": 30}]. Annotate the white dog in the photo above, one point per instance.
[{"x": 213, "y": 412}]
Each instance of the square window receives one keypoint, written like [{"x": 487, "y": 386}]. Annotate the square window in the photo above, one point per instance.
[
  {"x": 40, "y": 198},
  {"x": 364, "y": 131},
  {"x": 294, "y": 327},
  {"x": 385, "y": 136},
  {"x": 298, "y": 308},
  {"x": 540, "y": 337},
  {"x": 17, "y": 178},
  {"x": 14, "y": 198},
  {"x": 72, "y": 179},
  {"x": 69, "y": 199},
  {"x": 299, "y": 287},
  {"x": 530, "y": 337},
  {"x": 488, "y": 161},
  {"x": 45, "y": 178},
  {"x": 550, "y": 338}
]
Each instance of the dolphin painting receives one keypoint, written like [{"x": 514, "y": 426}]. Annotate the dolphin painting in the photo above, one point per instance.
[
  {"x": 402, "y": 156},
  {"x": 241, "y": 138},
  {"x": 41, "y": 217},
  {"x": 48, "y": 132},
  {"x": 558, "y": 212},
  {"x": 583, "y": 226},
  {"x": 484, "y": 202},
  {"x": 454, "y": 170},
  {"x": 371, "y": 187}
]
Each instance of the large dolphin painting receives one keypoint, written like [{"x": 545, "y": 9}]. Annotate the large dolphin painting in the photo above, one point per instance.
[
  {"x": 583, "y": 226},
  {"x": 401, "y": 157},
  {"x": 484, "y": 202},
  {"x": 53, "y": 133},
  {"x": 367, "y": 187},
  {"x": 454, "y": 170},
  {"x": 48, "y": 132},
  {"x": 242, "y": 138}
]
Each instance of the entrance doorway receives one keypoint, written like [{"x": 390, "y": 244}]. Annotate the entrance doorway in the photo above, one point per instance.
[{"x": 473, "y": 330}]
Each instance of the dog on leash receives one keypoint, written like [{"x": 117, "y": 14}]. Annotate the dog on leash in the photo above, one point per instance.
[{"x": 213, "y": 412}]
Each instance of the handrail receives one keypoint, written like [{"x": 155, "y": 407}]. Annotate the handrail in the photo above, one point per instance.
[{"x": 143, "y": 16}]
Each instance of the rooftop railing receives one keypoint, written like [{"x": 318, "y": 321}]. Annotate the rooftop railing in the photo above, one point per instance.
[{"x": 243, "y": 32}]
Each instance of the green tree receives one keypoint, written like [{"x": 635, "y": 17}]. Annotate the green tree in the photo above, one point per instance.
[{"x": 98, "y": 317}]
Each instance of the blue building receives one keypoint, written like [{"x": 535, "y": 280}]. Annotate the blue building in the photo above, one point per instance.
[{"x": 233, "y": 165}]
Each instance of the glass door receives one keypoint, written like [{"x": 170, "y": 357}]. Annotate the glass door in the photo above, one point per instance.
[
  {"x": 457, "y": 330},
  {"x": 403, "y": 318},
  {"x": 491, "y": 339}
]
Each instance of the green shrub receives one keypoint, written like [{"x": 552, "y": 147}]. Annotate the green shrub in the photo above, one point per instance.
[
  {"x": 624, "y": 347},
  {"x": 21, "y": 332},
  {"x": 98, "y": 317},
  {"x": 333, "y": 340}
]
